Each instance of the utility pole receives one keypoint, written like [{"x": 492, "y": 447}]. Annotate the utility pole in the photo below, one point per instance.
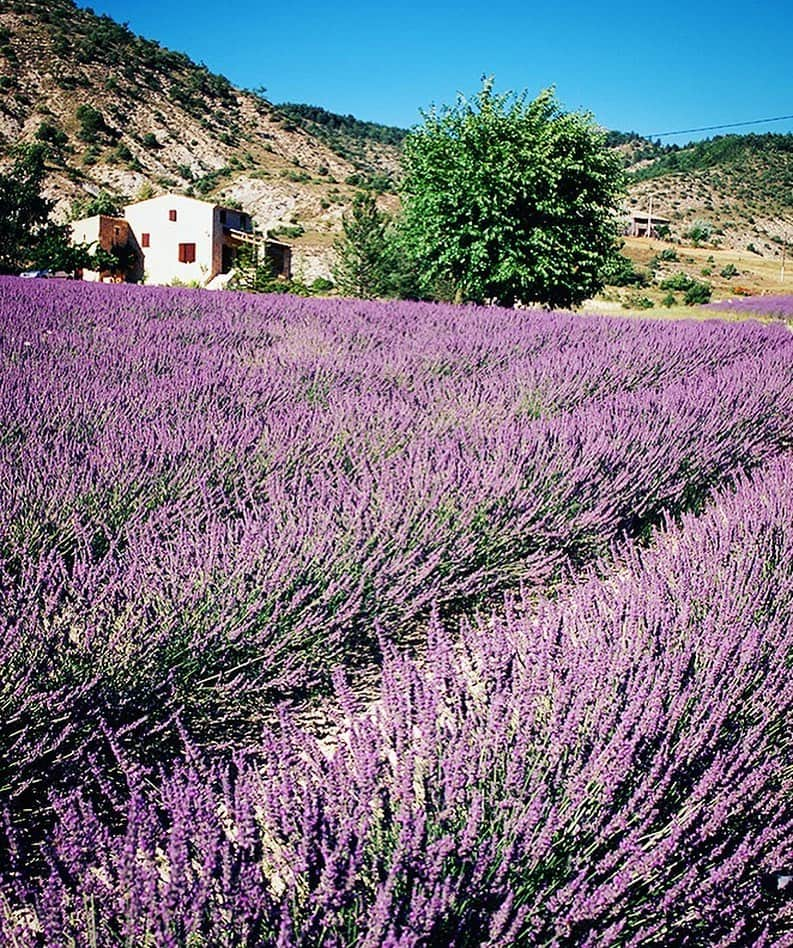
[
  {"x": 784, "y": 249},
  {"x": 650, "y": 218}
]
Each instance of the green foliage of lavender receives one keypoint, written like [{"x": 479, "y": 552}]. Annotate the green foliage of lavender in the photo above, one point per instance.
[{"x": 210, "y": 502}]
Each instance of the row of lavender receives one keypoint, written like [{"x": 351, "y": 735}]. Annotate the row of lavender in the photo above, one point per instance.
[
  {"x": 205, "y": 510},
  {"x": 611, "y": 768},
  {"x": 778, "y": 306},
  {"x": 254, "y": 487}
]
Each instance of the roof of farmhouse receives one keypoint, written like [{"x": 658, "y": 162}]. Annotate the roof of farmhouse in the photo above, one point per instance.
[
  {"x": 643, "y": 218},
  {"x": 170, "y": 196}
]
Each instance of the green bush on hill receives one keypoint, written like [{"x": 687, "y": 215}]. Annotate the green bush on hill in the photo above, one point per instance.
[
  {"x": 729, "y": 150},
  {"x": 330, "y": 122},
  {"x": 695, "y": 291},
  {"x": 622, "y": 272}
]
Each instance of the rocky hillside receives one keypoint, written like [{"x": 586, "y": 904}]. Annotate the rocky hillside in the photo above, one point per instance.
[
  {"x": 374, "y": 149},
  {"x": 122, "y": 114},
  {"x": 733, "y": 192}
]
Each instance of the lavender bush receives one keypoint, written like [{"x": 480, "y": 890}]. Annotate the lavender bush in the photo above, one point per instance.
[{"x": 608, "y": 768}]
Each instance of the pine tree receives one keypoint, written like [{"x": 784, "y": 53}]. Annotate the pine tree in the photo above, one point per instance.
[{"x": 363, "y": 254}]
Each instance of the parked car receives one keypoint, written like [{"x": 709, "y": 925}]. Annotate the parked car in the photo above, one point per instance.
[
  {"x": 33, "y": 274},
  {"x": 46, "y": 275}
]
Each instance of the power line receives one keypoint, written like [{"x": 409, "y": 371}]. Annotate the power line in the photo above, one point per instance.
[{"x": 713, "y": 128}]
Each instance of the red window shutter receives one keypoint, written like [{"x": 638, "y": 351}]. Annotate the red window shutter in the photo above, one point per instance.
[
  {"x": 171, "y": 215},
  {"x": 186, "y": 253},
  {"x": 144, "y": 240}
]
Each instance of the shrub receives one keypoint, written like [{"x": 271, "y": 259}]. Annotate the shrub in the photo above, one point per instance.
[
  {"x": 52, "y": 135},
  {"x": 287, "y": 230},
  {"x": 680, "y": 281},
  {"x": 91, "y": 122},
  {"x": 621, "y": 272},
  {"x": 122, "y": 153},
  {"x": 103, "y": 203},
  {"x": 636, "y": 301},
  {"x": 698, "y": 293},
  {"x": 210, "y": 180},
  {"x": 91, "y": 155},
  {"x": 299, "y": 177},
  {"x": 729, "y": 271},
  {"x": 699, "y": 231}
]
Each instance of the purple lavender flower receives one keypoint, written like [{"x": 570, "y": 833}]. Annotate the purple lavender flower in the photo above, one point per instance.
[{"x": 210, "y": 502}]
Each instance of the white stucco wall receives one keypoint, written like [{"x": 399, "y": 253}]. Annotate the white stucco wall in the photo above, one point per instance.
[
  {"x": 86, "y": 231},
  {"x": 195, "y": 224}
]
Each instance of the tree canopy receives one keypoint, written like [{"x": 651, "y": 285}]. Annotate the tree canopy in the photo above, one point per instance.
[
  {"x": 28, "y": 238},
  {"x": 511, "y": 201}
]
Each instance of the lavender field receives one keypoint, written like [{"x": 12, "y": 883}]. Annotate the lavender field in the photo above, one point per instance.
[
  {"x": 778, "y": 306},
  {"x": 334, "y": 623}
]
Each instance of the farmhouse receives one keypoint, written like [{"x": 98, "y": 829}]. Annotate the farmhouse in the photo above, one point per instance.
[
  {"x": 646, "y": 225},
  {"x": 176, "y": 238}
]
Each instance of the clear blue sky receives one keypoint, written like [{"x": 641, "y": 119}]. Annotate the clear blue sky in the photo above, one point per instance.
[{"x": 650, "y": 67}]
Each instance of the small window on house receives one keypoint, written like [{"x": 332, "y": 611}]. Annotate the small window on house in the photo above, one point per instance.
[
  {"x": 186, "y": 253},
  {"x": 145, "y": 240},
  {"x": 172, "y": 215},
  {"x": 222, "y": 217}
]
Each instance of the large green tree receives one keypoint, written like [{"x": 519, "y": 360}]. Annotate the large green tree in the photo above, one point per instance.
[{"x": 511, "y": 201}]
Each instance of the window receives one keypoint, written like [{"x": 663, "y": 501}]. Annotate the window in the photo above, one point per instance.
[
  {"x": 222, "y": 217},
  {"x": 145, "y": 240},
  {"x": 172, "y": 215},
  {"x": 186, "y": 253}
]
